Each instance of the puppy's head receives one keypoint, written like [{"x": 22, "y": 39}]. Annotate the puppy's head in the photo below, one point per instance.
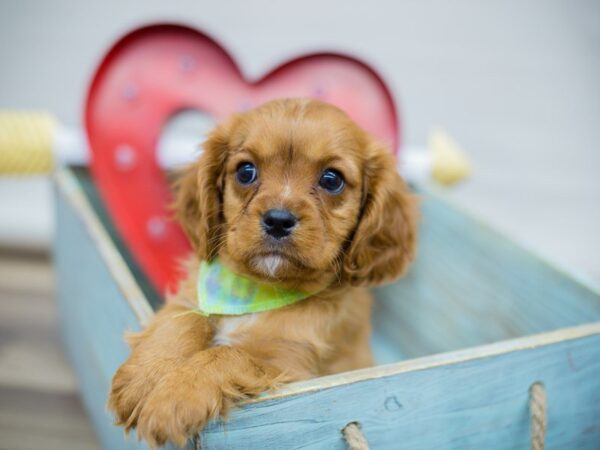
[{"x": 295, "y": 193}]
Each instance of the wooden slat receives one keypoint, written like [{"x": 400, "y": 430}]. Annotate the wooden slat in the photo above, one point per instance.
[
  {"x": 32, "y": 419},
  {"x": 471, "y": 286},
  {"x": 39, "y": 401},
  {"x": 478, "y": 403},
  {"x": 95, "y": 314},
  {"x": 31, "y": 355},
  {"x": 115, "y": 263},
  {"x": 25, "y": 273}
]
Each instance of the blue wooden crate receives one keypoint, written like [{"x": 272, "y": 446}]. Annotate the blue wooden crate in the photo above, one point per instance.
[{"x": 461, "y": 338}]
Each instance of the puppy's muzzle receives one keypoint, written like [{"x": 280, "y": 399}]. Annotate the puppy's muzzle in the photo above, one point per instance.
[{"x": 278, "y": 223}]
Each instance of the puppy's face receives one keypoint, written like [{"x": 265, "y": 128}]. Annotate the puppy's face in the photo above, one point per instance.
[
  {"x": 292, "y": 191},
  {"x": 295, "y": 193}
]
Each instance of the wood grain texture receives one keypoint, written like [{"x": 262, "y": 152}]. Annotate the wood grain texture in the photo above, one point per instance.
[
  {"x": 95, "y": 314},
  {"x": 39, "y": 401},
  {"x": 474, "y": 398},
  {"x": 470, "y": 286},
  {"x": 479, "y": 403},
  {"x": 32, "y": 419},
  {"x": 115, "y": 261}
]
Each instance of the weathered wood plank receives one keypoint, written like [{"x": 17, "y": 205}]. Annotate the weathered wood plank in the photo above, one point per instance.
[
  {"x": 95, "y": 315},
  {"x": 34, "y": 419},
  {"x": 39, "y": 401},
  {"x": 477, "y": 403},
  {"x": 471, "y": 286},
  {"x": 28, "y": 273},
  {"x": 30, "y": 353}
]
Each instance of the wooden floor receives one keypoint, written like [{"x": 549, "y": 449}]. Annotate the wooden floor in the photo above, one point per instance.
[{"x": 39, "y": 404}]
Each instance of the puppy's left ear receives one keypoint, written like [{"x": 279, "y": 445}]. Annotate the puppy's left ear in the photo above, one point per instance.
[{"x": 384, "y": 242}]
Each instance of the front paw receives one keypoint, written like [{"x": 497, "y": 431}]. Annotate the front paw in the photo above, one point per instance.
[
  {"x": 177, "y": 409},
  {"x": 131, "y": 384},
  {"x": 204, "y": 388},
  {"x": 126, "y": 392}
]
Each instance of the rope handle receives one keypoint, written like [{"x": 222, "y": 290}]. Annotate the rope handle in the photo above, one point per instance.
[
  {"x": 356, "y": 440},
  {"x": 537, "y": 414},
  {"x": 354, "y": 437}
]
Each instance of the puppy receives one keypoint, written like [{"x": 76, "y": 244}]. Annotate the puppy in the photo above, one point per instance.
[{"x": 293, "y": 196}]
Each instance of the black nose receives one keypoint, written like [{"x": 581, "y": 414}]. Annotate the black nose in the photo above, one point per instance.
[{"x": 278, "y": 222}]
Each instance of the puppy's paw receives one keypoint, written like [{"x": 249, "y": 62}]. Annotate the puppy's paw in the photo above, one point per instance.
[
  {"x": 125, "y": 394},
  {"x": 184, "y": 400},
  {"x": 131, "y": 385},
  {"x": 178, "y": 409}
]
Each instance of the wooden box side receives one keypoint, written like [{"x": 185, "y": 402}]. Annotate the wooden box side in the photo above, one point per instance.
[
  {"x": 98, "y": 299},
  {"x": 470, "y": 286},
  {"x": 476, "y": 398}
]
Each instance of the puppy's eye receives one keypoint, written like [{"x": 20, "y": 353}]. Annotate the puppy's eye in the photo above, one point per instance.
[
  {"x": 332, "y": 181},
  {"x": 246, "y": 173}
]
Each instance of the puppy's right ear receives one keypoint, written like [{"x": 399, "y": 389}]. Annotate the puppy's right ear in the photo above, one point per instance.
[{"x": 198, "y": 195}]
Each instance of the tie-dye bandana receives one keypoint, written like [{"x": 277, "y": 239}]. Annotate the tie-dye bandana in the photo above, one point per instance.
[{"x": 221, "y": 291}]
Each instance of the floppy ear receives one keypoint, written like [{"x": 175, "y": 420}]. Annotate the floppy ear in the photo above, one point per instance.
[
  {"x": 198, "y": 196},
  {"x": 384, "y": 241}
]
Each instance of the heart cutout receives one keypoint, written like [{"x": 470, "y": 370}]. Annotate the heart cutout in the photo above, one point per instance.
[{"x": 157, "y": 71}]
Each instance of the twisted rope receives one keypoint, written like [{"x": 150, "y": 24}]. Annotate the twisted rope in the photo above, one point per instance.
[
  {"x": 355, "y": 439},
  {"x": 537, "y": 413},
  {"x": 26, "y": 140}
]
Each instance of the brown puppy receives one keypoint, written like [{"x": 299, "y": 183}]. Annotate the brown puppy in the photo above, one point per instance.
[{"x": 346, "y": 221}]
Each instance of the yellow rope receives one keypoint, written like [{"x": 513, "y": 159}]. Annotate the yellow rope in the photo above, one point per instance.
[{"x": 26, "y": 142}]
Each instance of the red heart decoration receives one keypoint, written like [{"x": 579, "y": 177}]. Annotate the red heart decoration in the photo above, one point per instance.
[{"x": 157, "y": 71}]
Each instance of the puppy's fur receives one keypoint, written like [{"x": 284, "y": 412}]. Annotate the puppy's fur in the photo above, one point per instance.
[{"x": 185, "y": 369}]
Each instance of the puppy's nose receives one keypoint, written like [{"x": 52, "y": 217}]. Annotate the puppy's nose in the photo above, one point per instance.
[{"x": 278, "y": 222}]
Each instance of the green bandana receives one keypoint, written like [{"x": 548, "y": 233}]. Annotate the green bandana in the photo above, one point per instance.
[{"x": 221, "y": 291}]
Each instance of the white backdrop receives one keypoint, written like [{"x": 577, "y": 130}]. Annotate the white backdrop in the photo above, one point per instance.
[{"x": 516, "y": 83}]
